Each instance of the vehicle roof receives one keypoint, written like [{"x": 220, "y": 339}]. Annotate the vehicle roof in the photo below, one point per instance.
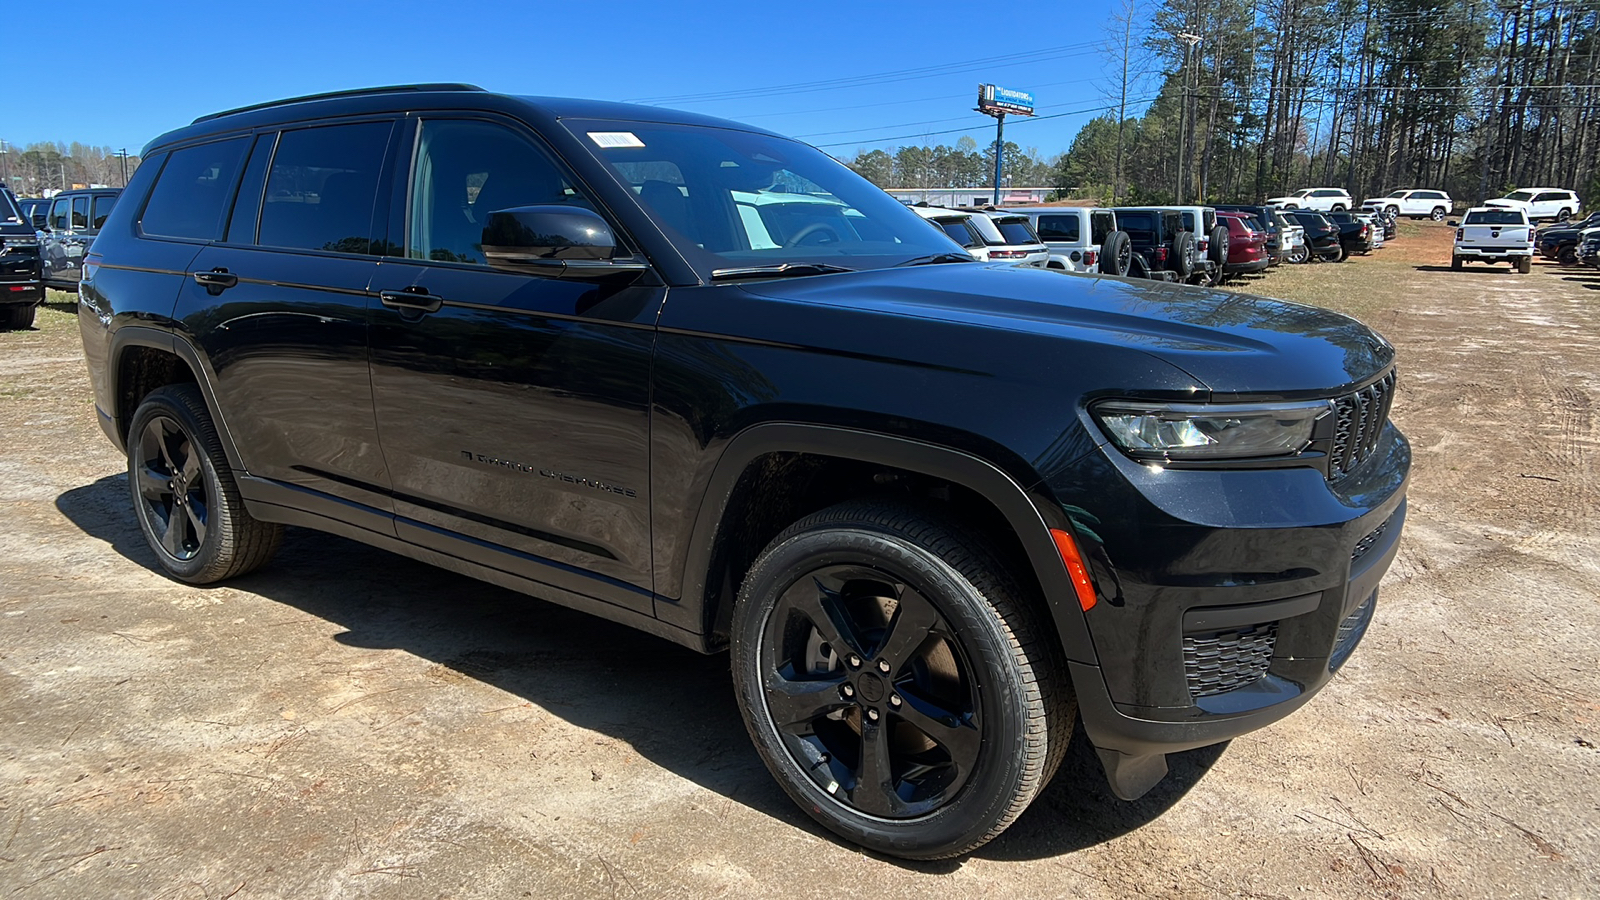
[
  {"x": 1563, "y": 190},
  {"x": 1497, "y": 209},
  {"x": 393, "y": 98},
  {"x": 940, "y": 212}
]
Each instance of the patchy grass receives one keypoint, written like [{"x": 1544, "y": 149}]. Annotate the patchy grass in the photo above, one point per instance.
[{"x": 1363, "y": 286}]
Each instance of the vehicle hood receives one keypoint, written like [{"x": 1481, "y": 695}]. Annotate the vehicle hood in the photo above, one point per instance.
[{"x": 1231, "y": 343}]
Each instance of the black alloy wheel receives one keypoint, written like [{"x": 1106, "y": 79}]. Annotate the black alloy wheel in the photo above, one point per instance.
[
  {"x": 184, "y": 495},
  {"x": 893, "y": 681},
  {"x": 173, "y": 493}
]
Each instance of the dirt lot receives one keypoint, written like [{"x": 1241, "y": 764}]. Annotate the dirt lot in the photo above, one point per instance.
[{"x": 348, "y": 723}]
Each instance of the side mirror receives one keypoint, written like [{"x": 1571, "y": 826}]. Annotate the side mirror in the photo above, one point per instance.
[
  {"x": 554, "y": 242},
  {"x": 1453, "y": 223}
]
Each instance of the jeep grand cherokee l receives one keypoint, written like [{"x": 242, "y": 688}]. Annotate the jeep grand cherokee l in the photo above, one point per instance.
[{"x": 939, "y": 510}]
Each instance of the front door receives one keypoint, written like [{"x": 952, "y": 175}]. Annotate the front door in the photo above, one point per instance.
[{"x": 513, "y": 410}]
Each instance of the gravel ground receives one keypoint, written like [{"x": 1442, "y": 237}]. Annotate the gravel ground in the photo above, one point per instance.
[{"x": 346, "y": 723}]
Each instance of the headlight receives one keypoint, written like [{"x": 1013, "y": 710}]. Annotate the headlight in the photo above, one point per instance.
[{"x": 1200, "y": 431}]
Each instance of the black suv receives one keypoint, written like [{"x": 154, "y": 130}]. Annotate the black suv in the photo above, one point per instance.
[
  {"x": 1163, "y": 248},
  {"x": 704, "y": 380},
  {"x": 75, "y": 218},
  {"x": 1323, "y": 239},
  {"x": 20, "y": 288},
  {"x": 1263, "y": 220}
]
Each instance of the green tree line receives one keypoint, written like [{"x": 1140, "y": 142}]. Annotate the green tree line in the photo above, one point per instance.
[
  {"x": 1255, "y": 98},
  {"x": 964, "y": 165}
]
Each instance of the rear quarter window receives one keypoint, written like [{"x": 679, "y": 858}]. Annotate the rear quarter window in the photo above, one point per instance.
[
  {"x": 1060, "y": 228},
  {"x": 192, "y": 191},
  {"x": 1016, "y": 231}
]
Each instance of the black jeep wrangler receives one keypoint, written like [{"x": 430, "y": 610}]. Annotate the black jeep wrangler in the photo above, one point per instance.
[
  {"x": 1163, "y": 249},
  {"x": 695, "y": 377}
]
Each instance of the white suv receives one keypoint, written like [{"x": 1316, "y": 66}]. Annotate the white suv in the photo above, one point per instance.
[
  {"x": 1074, "y": 234},
  {"x": 1414, "y": 203},
  {"x": 994, "y": 235},
  {"x": 1540, "y": 203},
  {"x": 1319, "y": 199}
]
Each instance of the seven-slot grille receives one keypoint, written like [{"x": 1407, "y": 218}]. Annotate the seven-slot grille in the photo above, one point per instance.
[
  {"x": 1227, "y": 660},
  {"x": 1361, "y": 417}
]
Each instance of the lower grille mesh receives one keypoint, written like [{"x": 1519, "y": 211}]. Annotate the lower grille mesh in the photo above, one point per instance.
[
  {"x": 1227, "y": 660},
  {"x": 1350, "y": 632}
]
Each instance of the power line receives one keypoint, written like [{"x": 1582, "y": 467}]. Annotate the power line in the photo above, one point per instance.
[
  {"x": 807, "y": 87},
  {"x": 927, "y": 134}
]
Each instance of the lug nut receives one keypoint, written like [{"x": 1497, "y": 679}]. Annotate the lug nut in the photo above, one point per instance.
[
  {"x": 872, "y": 714},
  {"x": 855, "y": 661},
  {"x": 848, "y": 691},
  {"x": 883, "y": 666},
  {"x": 894, "y": 699}
]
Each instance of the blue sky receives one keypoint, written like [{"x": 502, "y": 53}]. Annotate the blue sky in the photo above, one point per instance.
[{"x": 842, "y": 75}]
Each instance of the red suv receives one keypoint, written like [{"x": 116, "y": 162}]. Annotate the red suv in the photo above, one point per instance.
[{"x": 1247, "y": 247}]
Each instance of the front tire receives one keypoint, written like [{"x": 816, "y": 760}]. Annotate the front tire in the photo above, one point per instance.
[
  {"x": 895, "y": 680},
  {"x": 1567, "y": 255},
  {"x": 184, "y": 495},
  {"x": 1392, "y": 210}
]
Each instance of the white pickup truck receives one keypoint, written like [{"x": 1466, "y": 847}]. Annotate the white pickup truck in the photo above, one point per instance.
[{"x": 1488, "y": 234}]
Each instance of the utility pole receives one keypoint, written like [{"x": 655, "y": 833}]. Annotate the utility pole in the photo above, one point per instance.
[
  {"x": 1189, "y": 40},
  {"x": 123, "y": 155},
  {"x": 5, "y": 163}
]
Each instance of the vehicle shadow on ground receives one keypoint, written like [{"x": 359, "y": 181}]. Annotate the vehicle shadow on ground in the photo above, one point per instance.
[
  {"x": 1480, "y": 268},
  {"x": 674, "y": 706}
]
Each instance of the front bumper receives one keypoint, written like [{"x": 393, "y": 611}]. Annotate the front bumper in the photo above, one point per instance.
[{"x": 1237, "y": 595}]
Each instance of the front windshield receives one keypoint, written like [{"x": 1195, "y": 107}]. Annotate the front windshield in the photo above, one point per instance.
[
  {"x": 1520, "y": 195},
  {"x": 1302, "y": 193},
  {"x": 732, "y": 199}
]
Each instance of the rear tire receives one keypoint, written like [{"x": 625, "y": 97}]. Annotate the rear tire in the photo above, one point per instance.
[
  {"x": 1217, "y": 250},
  {"x": 1563, "y": 215},
  {"x": 1525, "y": 264},
  {"x": 1344, "y": 252},
  {"x": 1116, "y": 254},
  {"x": 19, "y": 317},
  {"x": 868, "y": 603},
  {"x": 1438, "y": 214},
  {"x": 1337, "y": 207},
  {"x": 184, "y": 495},
  {"x": 1455, "y": 263}
]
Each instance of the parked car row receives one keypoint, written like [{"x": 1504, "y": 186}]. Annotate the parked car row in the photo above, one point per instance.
[{"x": 45, "y": 241}]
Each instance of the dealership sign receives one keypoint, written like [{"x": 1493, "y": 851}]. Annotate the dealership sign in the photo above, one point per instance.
[{"x": 997, "y": 100}]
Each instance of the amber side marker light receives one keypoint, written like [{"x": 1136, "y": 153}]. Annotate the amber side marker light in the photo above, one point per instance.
[{"x": 1068, "y": 548}]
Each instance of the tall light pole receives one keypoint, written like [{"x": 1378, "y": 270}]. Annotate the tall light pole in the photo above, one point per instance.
[
  {"x": 1189, "y": 40},
  {"x": 123, "y": 155},
  {"x": 5, "y": 163}
]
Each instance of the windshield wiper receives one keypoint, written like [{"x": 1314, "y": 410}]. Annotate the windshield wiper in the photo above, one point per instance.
[
  {"x": 783, "y": 270},
  {"x": 936, "y": 258}
]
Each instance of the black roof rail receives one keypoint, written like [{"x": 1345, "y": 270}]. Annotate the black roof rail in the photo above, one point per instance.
[{"x": 357, "y": 92}]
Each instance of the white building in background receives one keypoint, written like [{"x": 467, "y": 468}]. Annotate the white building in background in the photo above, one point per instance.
[{"x": 956, "y": 198}]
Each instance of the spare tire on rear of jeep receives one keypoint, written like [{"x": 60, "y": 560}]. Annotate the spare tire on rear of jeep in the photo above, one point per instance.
[
  {"x": 1116, "y": 253},
  {"x": 1182, "y": 259},
  {"x": 1217, "y": 252}
]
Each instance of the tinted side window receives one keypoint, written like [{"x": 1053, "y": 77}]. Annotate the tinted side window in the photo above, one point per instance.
[
  {"x": 1188, "y": 221},
  {"x": 60, "y": 213},
  {"x": 192, "y": 191},
  {"x": 322, "y": 186},
  {"x": 1059, "y": 228},
  {"x": 466, "y": 170},
  {"x": 102, "y": 208},
  {"x": 80, "y": 212}
]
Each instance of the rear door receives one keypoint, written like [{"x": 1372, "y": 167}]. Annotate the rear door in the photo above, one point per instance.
[
  {"x": 280, "y": 307},
  {"x": 513, "y": 409}
]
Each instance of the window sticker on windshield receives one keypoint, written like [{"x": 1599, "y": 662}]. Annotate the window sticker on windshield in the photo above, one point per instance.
[{"x": 613, "y": 139}]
